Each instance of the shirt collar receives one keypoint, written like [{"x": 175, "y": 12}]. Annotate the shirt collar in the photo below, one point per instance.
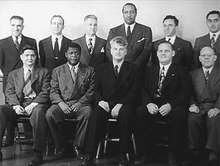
[
  {"x": 216, "y": 34},
  {"x": 119, "y": 64},
  {"x": 172, "y": 39},
  {"x": 93, "y": 39},
  {"x": 166, "y": 67},
  {"x": 26, "y": 69},
  {"x": 209, "y": 69},
  {"x": 56, "y": 36},
  {"x": 76, "y": 66},
  {"x": 19, "y": 38},
  {"x": 131, "y": 27}
]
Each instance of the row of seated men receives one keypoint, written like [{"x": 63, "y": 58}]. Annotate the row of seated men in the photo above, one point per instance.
[{"x": 93, "y": 50}]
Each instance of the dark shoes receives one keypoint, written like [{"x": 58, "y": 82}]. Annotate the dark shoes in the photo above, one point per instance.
[
  {"x": 173, "y": 161},
  {"x": 1, "y": 156},
  {"x": 78, "y": 153},
  {"x": 123, "y": 161},
  {"x": 37, "y": 160},
  {"x": 88, "y": 160}
]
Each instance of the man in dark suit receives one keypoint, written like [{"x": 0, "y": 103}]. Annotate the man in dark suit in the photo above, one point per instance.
[
  {"x": 10, "y": 58},
  {"x": 211, "y": 39},
  {"x": 205, "y": 107},
  {"x": 116, "y": 92},
  {"x": 51, "y": 49},
  {"x": 165, "y": 97},
  {"x": 139, "y": 37},
  {"x": 183, "y": 49},
  {"x": 71, "y": 97},
  {"x": 93, "y": 47},
  {"x": 27, "y": 93}
]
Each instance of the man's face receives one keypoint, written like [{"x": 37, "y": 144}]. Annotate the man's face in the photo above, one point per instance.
[
  {"x": 129, "y": 14},
  {"x": 118, "y": 52},
  {"x": 213, "y": 23},
  {"x": 207, "y": 57},
  {"x": 73, "y": 55},
  {"x": 165, "y": 53},
  {"x": 16, "y": 27},
  {"x": 57, "y": 26},
  {"x": 169, "y": 28},
  {"x": 90, "y": 26},
  {"x": 28, "y": 57}
]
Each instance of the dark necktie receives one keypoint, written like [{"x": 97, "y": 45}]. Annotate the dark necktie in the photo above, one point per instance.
[
  {"x": 90, "y": 47},
  {"x": 73, "y": 73},
  {"x": 17, "y": 43},
  {"x": 128, "y": 32},
  {"x": 161, "y": 79},
  {"x": 56, "y": 49},
  {"x": 169, "y": 39},
  {"x": 27, "y": 90},
  {"x": 116, "y": 70},
  {"x": 213, "y": 40},
  {"x": 207, "y": 76}
]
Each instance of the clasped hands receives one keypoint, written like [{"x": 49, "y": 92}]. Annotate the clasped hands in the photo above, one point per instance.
[
  {"x": 68, "y": 109},
  {"x": 115, "y": 109},
  {"x": 163, "y": 110},
  {"x": 24, "y": 111}
]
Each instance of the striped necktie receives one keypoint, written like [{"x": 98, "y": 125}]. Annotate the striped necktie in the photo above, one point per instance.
[
  {"x": 27, "y": 90},
  {"x": 17, "y": 43},
  {"x": 161, "y": 79},
  {"x": 73, "y": 73},
  {"x": 207, "y": 76},
  {"x": 213, "y": 40},
  {"x": 90, "y": 46}
]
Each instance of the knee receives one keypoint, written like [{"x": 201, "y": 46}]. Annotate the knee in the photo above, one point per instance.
[{"x": 49, "y": 114}]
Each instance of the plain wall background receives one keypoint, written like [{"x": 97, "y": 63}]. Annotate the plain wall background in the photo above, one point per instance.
[{"x": 37, "y": 15}]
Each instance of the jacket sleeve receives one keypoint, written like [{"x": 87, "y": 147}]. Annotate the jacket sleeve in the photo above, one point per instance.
[{"x": 41, "y": 54}]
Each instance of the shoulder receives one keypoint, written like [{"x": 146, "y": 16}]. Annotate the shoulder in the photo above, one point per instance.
[
  {"x": 101, "y": 40},
  {"x": 116, "y": 28},
  {"x": 86, "y": 67},
  {"x": 144, "y": 27},
  {"x": 79, "y": 39},
  {"x": 202, "y": 37},
  {"x": 28, "y": 38},
  {"x": 194, "y": 72},
  {"x": 45, "y": 39},
  {"x": 5, "y": 39},
  {"x": 66, "y": 39}
]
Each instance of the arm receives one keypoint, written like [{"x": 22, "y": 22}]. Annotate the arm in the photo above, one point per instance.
[
  {"x": 189, "y": 54},
  {"x": 196, "y": 62},
  {"x": 41, "y": 54}
]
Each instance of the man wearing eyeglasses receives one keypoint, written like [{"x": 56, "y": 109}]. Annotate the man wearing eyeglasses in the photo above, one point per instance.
[
  {"x": 71, "y": 95},
  {"x": 205, "y": 108}
]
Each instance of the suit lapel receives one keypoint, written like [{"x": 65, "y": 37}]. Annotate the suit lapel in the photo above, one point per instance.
[
  {"x": 67, "y": 77},
  {"x": 19, "y": 78},
  {"x": 35, "y": 75},
  {"x": 84, "y": 47},
  {"x": 134, "y": 35},
  {"x": 49, "y": 47},
  {"x": 214, "y": 76},
  {"x": 169, "y": 76},
  {"x": 121, "y": 31}
]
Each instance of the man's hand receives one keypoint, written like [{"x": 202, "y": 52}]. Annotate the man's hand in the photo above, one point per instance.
[
  {"x": 76, "y": 107},
  {"x": 104, "y": 105},
  {"x": 213, "y": 112},
  {"x": 165, "y": 109},
  {"x": 66, "y": 109},
  {"x": 115, "y": 110},
  {"x": 152, "y": 108},
  {"x": 194, "y": 108},
  {"x": 19, "y": 110},
  {"x": 29, "y": 108}
]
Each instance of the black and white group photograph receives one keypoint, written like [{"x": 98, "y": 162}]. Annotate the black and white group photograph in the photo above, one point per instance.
[{"x": 110, "y": 83}]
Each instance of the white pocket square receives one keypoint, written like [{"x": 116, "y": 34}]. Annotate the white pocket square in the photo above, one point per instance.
[
  {"x": 141, "y": 40},
  {"x": 102, "y": 50}
]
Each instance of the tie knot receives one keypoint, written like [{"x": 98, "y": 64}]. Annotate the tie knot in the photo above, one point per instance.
[
  {"x": 90, "y": 39},
  {"x": 213, "y": 35},
  {"x": 73, "y": 68},
  {"x": 169, "y": 39},
  {"x": 56, "y": 39},
  {"x": 116, "y": 67}
]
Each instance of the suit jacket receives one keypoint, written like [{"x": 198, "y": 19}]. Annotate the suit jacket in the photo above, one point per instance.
[
  {"x": 202, "y": 42},
  {"x": 124, "y": 89},
  {"x": 47, "y": 54},
  {"x": 98, "y": 55},
  {"x": 10, "y": 56},
  {"x": 139, "y": 44},
  {"x": 183, "y": 52},
  {"x": 176, "y": 86},
  {"x": 40, "y": 83},
  {"x": 64, "y": 89},
  {"x": 206, "y": 97}
]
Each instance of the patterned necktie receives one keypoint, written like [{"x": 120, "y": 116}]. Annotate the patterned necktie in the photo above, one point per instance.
[
  {"x": 128, "y": 32},
  {"x": 207, "y": 76},
  {"x": 56, "y": 49},
  {"x": 116, "y": 70},
  {"x": 213, "y": 40},
  {"x": 17, "y": 43},
  {"x": 161, "y": 79},
  {"x": 27, "y": 90},
  {"x": 73, "y": 73},
  {"x": 90, "y": 46}
]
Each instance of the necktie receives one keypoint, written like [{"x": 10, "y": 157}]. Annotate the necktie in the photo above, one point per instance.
[
  {"x": 207, "y": 76},
  {"x": 116, "y": 70},
  {"x": 90, "y": 47},
  {"x": 17, "y": 43},
  {"x": 128, "y": 33},
  {"x": 161, "y": 79},
  {"x": 27, "y": 90},
  {"x": 73, "y": 73},
  {"x": 169, "y": 39},
  {"x": 213, "y": 40},
  {"x": 56, "y": 49}
]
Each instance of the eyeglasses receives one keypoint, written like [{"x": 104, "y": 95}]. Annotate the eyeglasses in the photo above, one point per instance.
[
  {"x": 207, "y": 55},
  {"x": 73, "y": 53}
]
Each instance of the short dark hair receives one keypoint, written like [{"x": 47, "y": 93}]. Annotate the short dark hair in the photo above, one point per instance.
[
  {"x": 72, "y": 45},
  {"x": 131, "y": 5},
  {"x": 90, "y": 16},
  {"x": 176, "y": 21},
  {"x": 28, "y": 47},
  {"x": 56, "y": 16},
  {"x": 119, "y": 40},
  {"x": 213, "y": 12},
  {"x": 17, "y": 18},
  {"x": 165, "y": 42}
]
